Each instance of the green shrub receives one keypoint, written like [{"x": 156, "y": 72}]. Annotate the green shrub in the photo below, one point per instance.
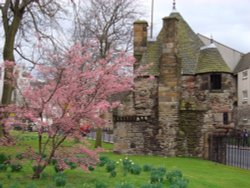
[
  {"x": 32, "y": 185},
  {"x": 103, "y": 160},
  {"x": 8, "y": 175},
  {"x": 19, "y": 156},
  {"x": 72, "y": 165},
  {"x": 1, "y": 185},
  {"x": 176, "y": 179},
  {"x": 91, "y": 168},
  {"x": 126, "y": 164},
  {"x": 16, "y": 167},
  {"x": 3, "y": 158},
  {"x": 147, "y": 168},
  {"x": 14, "y": 185},
  {"x": 173, "y": 176},
  {"x": 157, "y": 175},
  {"x": 3, "y": 167},
  {"x": 44, "y": 175},
  {"x": 135, "y": 169},
  {"x": 179, "y": 183},
  {"x": 124, "y": 185},
  {"x": 113, "y": 173},
  {"x": 156, "y": 185},
  {"x": 53, "y": 161},
  {"x": 110, "y": 166},
  {"x": 60, "y": 180},
  {"x": 100, "y": 185},
  {"x": 163, "y": 170}
]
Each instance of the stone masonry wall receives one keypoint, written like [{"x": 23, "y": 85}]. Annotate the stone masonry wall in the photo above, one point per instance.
[
  {"x": 189, "y": 136},
  {"x": 189, "y": 133},
  {"x": 145, "y": 97},
  {"x": 136, "y": 137},
  {"x": 168, "y": 91},
  {"x": 209, "y": 107},
  {"x": 136, "y": 125},
  {"x": 174, "y": 114}
]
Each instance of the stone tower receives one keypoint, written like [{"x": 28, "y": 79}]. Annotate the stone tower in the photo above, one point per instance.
[
  {"x": 191, "y": 96},
  {"x": 168, "y": 88}
]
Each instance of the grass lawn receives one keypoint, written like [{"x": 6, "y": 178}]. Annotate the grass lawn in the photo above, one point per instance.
[{"x": 200, "y": 173}]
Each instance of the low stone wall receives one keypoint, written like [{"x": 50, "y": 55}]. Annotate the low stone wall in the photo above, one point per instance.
[{"x": 138, "y": 137}]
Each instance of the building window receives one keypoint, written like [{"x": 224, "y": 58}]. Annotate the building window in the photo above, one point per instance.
[
  {"x": 215, "y": 82},
  {"x": 244, "y": 75},
  {"x": 244, "y": 95},
  {"x": 225, "y": 118}
]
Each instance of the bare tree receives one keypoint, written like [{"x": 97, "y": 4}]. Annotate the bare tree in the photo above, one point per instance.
[
  {"x": 26, "y": 20},
  {"x": 108, "y": 21}
]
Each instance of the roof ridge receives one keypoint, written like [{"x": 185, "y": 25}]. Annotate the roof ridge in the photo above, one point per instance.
[{"x": 221, "y": 43}]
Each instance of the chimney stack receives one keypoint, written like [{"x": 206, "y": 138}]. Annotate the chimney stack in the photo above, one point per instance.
[{"x": 140, "y": 38}]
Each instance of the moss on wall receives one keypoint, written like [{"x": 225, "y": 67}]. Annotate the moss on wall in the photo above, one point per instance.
[{"x": 189, "y": 134}]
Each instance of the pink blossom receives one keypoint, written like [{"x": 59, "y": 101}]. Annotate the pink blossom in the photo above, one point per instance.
[{"x": 76, "y": 87}]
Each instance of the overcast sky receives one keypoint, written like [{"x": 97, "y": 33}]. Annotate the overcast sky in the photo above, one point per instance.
[{"x": 228, "y": 21}]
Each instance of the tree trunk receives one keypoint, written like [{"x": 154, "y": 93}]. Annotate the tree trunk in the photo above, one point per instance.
[
  {"x": 98, "y": 141},
  {"x": 8, "y": 55},
  {"x": 10, "y": 30},
  {"x": 37, "y": 172}
]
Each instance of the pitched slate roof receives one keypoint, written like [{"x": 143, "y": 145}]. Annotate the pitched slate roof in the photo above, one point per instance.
[
  {"x": 210, "y": 60},
  {"x": 151, "y": 58},
  {"x": 189, "y": 45},
  {"x": 243, "y": 64}
]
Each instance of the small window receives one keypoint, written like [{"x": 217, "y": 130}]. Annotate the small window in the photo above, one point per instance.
[
  {"x": 244, "y": 95},
  {"x": 215, "y": 81},
  {"x": 225, "y": 118},
  {"x": 244, "y": 75}
]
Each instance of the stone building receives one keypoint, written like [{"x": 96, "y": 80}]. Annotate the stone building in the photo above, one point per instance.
[{"x": 192, "y": 96}]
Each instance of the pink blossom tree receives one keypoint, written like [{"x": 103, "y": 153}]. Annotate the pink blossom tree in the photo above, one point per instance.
[{"x": 64, "y": 94}]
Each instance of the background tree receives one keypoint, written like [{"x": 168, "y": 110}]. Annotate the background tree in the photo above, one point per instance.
[
  {"x": 108, "y": 21},
  {"x": 74, "y": 90}
]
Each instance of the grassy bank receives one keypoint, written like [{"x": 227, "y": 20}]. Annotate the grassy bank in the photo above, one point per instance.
[{"x": 200, "y": 173}]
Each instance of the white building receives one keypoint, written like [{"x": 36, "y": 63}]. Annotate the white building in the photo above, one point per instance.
[
  {"x": 243, "y": 72},
  {"x": 243, "y": 77},
  {"x": 22, "y": 83}
]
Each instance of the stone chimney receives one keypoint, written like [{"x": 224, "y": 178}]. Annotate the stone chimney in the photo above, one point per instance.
[
  {"x": 170, "y": 35},
  {"x": 140, "y": 38},
  {"x": 169, "y": 89}
]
